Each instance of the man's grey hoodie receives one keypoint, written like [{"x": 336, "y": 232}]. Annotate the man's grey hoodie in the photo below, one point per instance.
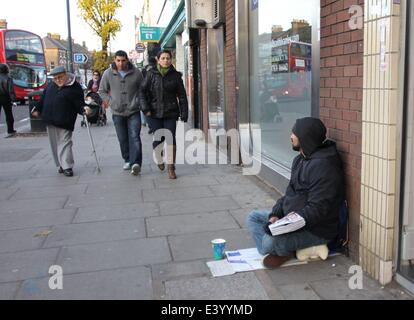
[{"x": 122, "y": 93}]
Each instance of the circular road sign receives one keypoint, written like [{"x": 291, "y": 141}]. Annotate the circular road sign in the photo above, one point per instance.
[{"x": 140, "y": 47}]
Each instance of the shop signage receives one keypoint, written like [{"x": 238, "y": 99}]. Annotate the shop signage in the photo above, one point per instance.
[{"x": 150, "y": 34}]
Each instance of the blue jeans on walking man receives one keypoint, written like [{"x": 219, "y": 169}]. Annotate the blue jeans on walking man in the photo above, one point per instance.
[
  {"x": 282, "y": 245},
  {"x": 128, "y": 130}
]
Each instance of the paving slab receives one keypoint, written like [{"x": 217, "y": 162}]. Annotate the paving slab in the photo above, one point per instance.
[
  {"x": 6, "y": 194},
  {"x": 184, "y": 224},
  {"x": 338, "y": 289},
  {"x": 198, "y": 245},
  {"x": 21, "y": 240},
  {"x": 54, "y": 181},
  {"x": 48, "y": 192},
  {"x": 108, "y": 199},
  {"x": 8, "y": 290},
  {"x": 27, "y": 264},
  {"x": 300, "y": 291},
  {"x": 92, "y": 232},
  {"x": 254, "y": 200},
  {"x": 54, "y": 203},
  {"x": 175, "y": 270},
  {"x": 185, "y": 181},
  {"x": 116, "y": 186},
  {"x": 121, "y": 284},
  {"x": 114, "y": 255},
  {"x": 24, "y": 220},
  {"x": 242, "y": 286},
  {"x": 197, "y": 205},
  {"x": 177, "y": 194},
  {"x": 232, "y": 189},
  {"x": 241, "y": 215},
  {"x": 332, "y": 268},
  {"x": 118, "y": 212}
]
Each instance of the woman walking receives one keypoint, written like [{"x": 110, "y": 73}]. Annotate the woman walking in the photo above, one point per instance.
[{"x": 163, "y": 101}]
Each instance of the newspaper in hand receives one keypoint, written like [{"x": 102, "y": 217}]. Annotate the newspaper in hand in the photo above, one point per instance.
[{"x": 289, "y": 223}]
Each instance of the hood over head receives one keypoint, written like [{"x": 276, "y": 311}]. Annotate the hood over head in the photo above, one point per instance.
[{"x": 311, "y": 133}]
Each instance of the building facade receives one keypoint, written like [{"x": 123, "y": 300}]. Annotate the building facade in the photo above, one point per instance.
[
  {"x": 349, "y": 62},
  {"x": 57, "y": 54}
]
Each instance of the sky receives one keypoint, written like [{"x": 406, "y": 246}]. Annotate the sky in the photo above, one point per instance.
[
  {"x": 297, "y": 9},
  {"x": 44, "y": 16}
]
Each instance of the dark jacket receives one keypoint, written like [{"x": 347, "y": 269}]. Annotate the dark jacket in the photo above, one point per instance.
[
  {"x": 316, "y": 188},
  {"x": 6, "y": 87},
  {"x": 90, "y": 85},
  {"x": 60, "y": 106},
  {"x": 164, "y": 97}
]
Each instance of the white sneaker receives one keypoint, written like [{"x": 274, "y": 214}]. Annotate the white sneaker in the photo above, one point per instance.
[
  {"x": 136, "y": 169},
  {"x": 127, "y": 166}
]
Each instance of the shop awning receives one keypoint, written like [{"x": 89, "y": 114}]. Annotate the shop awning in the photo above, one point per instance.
[{"x": 176, "y": 26}]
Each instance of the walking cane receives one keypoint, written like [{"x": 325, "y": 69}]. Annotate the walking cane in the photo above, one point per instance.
[{"x": 85, "y": 118}]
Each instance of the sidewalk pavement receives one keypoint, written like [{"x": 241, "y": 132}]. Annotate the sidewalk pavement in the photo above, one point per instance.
[{"x": 117, "y": 236}]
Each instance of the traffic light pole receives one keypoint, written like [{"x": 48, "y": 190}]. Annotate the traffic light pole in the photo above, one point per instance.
[{"x": 69, "y": 38}]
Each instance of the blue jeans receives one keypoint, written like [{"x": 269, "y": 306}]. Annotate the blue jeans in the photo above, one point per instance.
[
  {"x": 128, "y": 130},
  {"x": 282, "y": 245}
]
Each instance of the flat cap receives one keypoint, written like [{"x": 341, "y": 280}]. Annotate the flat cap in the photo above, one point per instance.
[{"x": 57, "y": 70}]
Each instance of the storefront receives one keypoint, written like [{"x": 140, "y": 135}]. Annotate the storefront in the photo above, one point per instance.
[
  {"x": 405, "y": 271},
  {"x": 281, "y": 82}
]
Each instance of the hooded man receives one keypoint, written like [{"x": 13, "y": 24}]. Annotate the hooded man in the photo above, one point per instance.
[
  {"x": 315, "y": 192},
  {"x": 59, "y": 106}
]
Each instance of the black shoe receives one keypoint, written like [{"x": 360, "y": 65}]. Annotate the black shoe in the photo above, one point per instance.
[
  {"x": 60, "y": 170},
  {"x": 68, "y": 172},
  {"x": 150, "y": 131}
]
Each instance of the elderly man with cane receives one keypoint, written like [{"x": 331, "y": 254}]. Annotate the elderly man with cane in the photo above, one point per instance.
[{"x": 59, "y": 106}]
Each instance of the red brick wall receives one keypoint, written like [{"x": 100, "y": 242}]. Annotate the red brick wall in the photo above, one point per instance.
[
  {"x": 204, "y": 79},
  {"x": 230, "y": 66},
  {"x": 341, "y": 97}
]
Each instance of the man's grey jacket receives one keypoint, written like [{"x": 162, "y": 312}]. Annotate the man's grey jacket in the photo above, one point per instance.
[{"x": 122, "y": 93}]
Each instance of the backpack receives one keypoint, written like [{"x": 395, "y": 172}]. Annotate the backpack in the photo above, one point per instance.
[{"x": 340, "y": 243}]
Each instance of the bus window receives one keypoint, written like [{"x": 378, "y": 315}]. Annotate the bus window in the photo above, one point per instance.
[{"x": 28, "y": 76}]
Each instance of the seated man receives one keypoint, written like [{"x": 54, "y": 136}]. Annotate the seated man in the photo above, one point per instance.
[{"x": 315, "y": 192}]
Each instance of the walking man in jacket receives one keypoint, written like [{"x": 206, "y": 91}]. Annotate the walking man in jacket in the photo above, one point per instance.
[
  {"x": 59, "y": 106},
  {"x": 315, "y": 192},
  {"x": 7, "y": 96},
  {"x": 119, "y": 88}
]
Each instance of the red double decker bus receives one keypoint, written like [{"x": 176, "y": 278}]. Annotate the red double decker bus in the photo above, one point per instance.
[
  {"x": 291, "y": 69},
  {"x": 23, "y": 52}
]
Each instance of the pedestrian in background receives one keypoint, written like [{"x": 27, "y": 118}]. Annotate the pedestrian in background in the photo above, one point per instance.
[
  {"x": 93, "y": 84},
  {"x": 120, "y": 89},
  {"x": 152, "y": 63},
  {"x": 59, "y": 106},
  {"x": 163, "y": 101},
  {"x": 7, "y": 96}
]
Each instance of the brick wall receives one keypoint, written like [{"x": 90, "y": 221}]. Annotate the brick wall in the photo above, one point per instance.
[
  {"x": 230, "y": 66},
  {"x": 341, "y": 97}
]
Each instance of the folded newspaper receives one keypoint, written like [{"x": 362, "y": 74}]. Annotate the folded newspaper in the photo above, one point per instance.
[{"x": 289, "y": 223}]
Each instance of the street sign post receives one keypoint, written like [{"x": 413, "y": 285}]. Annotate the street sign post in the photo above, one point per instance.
[{"x": 80, "y": 58}]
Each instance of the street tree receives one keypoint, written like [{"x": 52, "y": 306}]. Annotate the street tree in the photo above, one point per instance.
[{"x": 99, "y": 15}]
